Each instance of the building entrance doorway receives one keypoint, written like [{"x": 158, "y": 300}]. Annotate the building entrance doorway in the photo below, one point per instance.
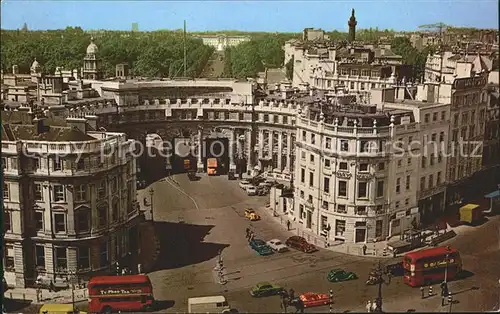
[
  {"x": 360, "y": 235},
  {"x": 308, "y": 219}
]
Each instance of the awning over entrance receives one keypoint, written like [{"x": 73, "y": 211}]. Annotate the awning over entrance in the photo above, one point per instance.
[{"x": 494, "y": 194}]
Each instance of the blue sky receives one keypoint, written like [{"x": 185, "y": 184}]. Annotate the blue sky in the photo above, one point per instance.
[{"x": 263, "y": 15}]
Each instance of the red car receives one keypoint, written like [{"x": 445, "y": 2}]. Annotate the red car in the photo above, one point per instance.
[
  {"x": 301, "y": 244},
  {"x": 311, "y": 299}
]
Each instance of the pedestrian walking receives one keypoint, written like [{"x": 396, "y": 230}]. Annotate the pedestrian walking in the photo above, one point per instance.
[
  {"x": 288, "y": 224},
  {"x": 369, "y": 306},
  {"x": 364, "y": 249},
  {"x": 139, "y": 268},
  {"x": 374, "y": 306}
]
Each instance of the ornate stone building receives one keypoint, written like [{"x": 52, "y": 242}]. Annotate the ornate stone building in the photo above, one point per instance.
[{"x": 70, "y": 208}]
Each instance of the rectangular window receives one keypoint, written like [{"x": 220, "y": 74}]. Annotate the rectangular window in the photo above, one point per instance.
[
  {"x": 101, "y": 190},
  {"x": 4, "y": 163},
  {"x": 6, "y": 194},
  {"x": 80, "y": 193},
  {"x": 9, "y": 257},
  {"x": 36, "y": 163},
  {"x": 40, "y": 256},
  {"x": 431, "y": 160},
  {"x": 441, "y": 137},
  {"x": 434, "y": 116},
  {"x": 431, "y": 181},
  {"x": 398, "y": 185},
  {"x": 7, "y": 221},
  {"x": 362, "y": 189},
  {"x": 380, "y": 188},
  {"x": 82, "y": 219},
  {"x": 408, "y": 180},
  {"x": 339, "y": 227},
  {"x": 311, "y": 158},
  {"x": 103, "y": 215},
  {"x": 303, "y": 175},
  {"x": 363, "y": 167},
  {"x": 409, "y": 161},
  {"x": 57, "y": 163},
  {"x": 326, "y": 184},
  {"x": 60, "y": 222},
  {"x": 327, "y": 163},
  {"x": 313, "y": 139},
  {"x": 61, "y": 260},
  {"x": 342, "y": 188},
  {"x": 114, "y": 185},
  {"x": 324, "y": 222},
  {"x": 83, "y": 257},
  {"x": 422, "y": 183},
  {"x": 443, "y": 115},
  {"x": 103, "y": 255},
  {"x": 39, "y": 221},
  {"x": 381, "y": 166},
  {"x": 427, "y": 117},
  {"x": 434, "y": 137},
  {"x": 58, "y": 193},
  {"x": 341, "y": 209},
  {"x": 438, "y": 178},
  {"x": 344, "y": 145},
  {"x": 343, "y": 166},
  {"x": 38, "y": 192},
  {"x": 424, "y": 161},
  {"x": 13, "y": 163},
  {"x": 311, "y": 179},
  {"x": 328, "y": 143}
]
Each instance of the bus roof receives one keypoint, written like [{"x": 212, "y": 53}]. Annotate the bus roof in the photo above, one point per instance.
[
  {"x": 210, "y": 299},
  {"x": 119, "y": 279},
  {"x": 430, "y": 252}
]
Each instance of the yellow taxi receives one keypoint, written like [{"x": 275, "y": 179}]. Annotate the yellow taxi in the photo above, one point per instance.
[{"x": 251, "y": 214}]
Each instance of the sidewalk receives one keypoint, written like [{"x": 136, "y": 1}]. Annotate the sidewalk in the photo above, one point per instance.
[
  {"x": 45, "y": 296},
  {"x": 374, "y": 249}
]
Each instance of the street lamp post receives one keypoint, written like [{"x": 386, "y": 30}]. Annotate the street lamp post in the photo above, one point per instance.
[
  {"x": 151, "y": 193},
  {"x": 381, "y": 277},
  {"x": 71, "y": 278}
]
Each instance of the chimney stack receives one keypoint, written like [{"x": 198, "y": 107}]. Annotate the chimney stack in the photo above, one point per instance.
[{"x": 77, "y": 123}]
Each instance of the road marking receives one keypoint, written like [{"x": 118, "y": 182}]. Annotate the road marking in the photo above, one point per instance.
[{"x": 180, "y": 190}]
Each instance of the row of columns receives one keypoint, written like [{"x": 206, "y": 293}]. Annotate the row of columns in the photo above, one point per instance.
[
  {"x": 247, "y": 137},
  {"x": 280, "y": 147}
]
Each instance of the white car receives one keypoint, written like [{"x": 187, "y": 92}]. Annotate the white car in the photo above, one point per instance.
[
  {"x": 251, "y": 190},
  {"x": 277, "y": 246},
  {"x": 244, "y": 184}
]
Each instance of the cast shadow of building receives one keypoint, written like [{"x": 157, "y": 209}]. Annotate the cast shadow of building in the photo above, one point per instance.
[{"x": 183, "y": 244}]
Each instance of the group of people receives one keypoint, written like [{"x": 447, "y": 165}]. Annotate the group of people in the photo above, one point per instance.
[
  {"x": 288, "y": 299},
  {"x": 371, "y": 306}
]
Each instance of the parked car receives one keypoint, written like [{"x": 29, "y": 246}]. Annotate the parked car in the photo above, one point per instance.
[
  {"x": 311, "y": 299},
  {"x": 251, "y": 190},
  {"x": 261, "y": 247},
  {"x": 264, "y": 289},
  {"x": 251, "y": 214},
  {"x": 299, "y": 243},
  {"x": 244, "y": 183},
  {"x": 277, "y": 246},
  {"x": 338, "y": 275}
]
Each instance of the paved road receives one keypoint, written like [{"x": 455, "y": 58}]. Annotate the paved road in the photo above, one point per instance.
[
  {"x": 221, "y": 204},
  {"x": 190, "y": 236}
]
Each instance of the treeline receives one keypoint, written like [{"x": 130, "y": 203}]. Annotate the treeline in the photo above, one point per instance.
[
  {"x": 412, "y": 56},
  {"x": 262, "y": 51},
  {"x": 148, "y": 54}
]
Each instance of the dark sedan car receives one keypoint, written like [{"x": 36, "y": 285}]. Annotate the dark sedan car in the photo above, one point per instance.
[{"x": 301, "y": 244}]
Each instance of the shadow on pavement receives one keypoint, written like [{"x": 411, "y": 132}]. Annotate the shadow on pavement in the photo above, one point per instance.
[
  {"x": 161, "y": 305},
  {"x": 15, "y": 305},
  {"x": 465, "y": 290},
  {"x": 464, "y": 275},
  {"x": 181, "y": 244}
]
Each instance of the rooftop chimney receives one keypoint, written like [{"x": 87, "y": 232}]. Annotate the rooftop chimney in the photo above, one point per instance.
[
  {"x": 77, "y": 123},
  {"x": 41, "y": 125}
]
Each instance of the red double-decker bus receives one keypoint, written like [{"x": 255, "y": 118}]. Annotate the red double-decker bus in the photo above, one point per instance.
[
  {"x": 108, "y": 294},
  {"x": 430, "y": 265}
]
